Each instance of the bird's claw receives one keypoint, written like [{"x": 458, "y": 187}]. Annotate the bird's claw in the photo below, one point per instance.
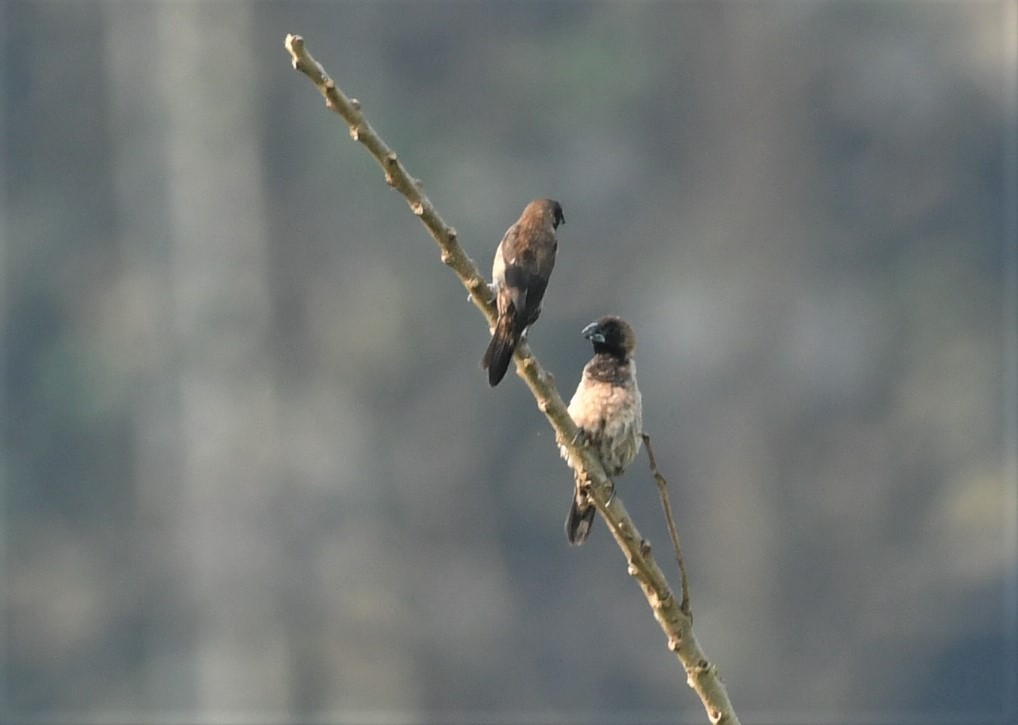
[
  {"x": 492, "y": 287},
  {"x": 611, "y": 494}
]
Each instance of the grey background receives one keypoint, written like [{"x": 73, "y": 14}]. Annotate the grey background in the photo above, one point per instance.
[{"x": 252, "y": 471}]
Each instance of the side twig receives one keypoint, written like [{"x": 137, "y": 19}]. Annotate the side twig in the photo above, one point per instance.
[
  {"x": 701, "y": 675},
  {"x": 666, "y": 504}
]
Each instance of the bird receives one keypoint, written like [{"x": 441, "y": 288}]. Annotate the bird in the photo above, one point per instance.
[
  {"x": 523, "y": 263},
  {"x": 608, "y": 410}
]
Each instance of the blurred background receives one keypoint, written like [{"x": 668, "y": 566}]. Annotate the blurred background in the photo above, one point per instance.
[{"x": 252, "y": 471}]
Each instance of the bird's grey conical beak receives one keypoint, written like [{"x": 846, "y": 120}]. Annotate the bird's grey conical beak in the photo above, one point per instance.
[{"x": 593, "y": 332}]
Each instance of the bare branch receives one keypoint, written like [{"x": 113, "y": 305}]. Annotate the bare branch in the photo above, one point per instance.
[
  {"x": 666, "y": 504},
  {"x": 677, "y": 625}
]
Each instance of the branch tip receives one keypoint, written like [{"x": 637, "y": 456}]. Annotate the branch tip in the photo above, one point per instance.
[{"x": 294, "y": 44}]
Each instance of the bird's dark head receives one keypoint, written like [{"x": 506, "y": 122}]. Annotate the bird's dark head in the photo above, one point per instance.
[
  {"x": 556, "y": 213},
  {"x": 611, "y": 335},
  {"x": 547, "y": 209}
]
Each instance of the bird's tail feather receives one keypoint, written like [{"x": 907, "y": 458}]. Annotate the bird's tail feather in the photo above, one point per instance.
[
  {"x": 500, "y": 350},
  {"x": 581, "y": 518}
]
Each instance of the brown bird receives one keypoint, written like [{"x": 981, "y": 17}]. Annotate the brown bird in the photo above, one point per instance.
[
  {"x": 523, "y": 263},
  {"x": 608, "y": 410}
]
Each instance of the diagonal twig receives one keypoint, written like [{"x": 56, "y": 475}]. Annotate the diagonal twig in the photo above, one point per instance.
[
  {"x": 701, "y": 675},
  {"x": 662, "y": 488}
]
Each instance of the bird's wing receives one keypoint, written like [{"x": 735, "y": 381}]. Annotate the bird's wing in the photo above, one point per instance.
[{"x": 528, "y": 265}]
